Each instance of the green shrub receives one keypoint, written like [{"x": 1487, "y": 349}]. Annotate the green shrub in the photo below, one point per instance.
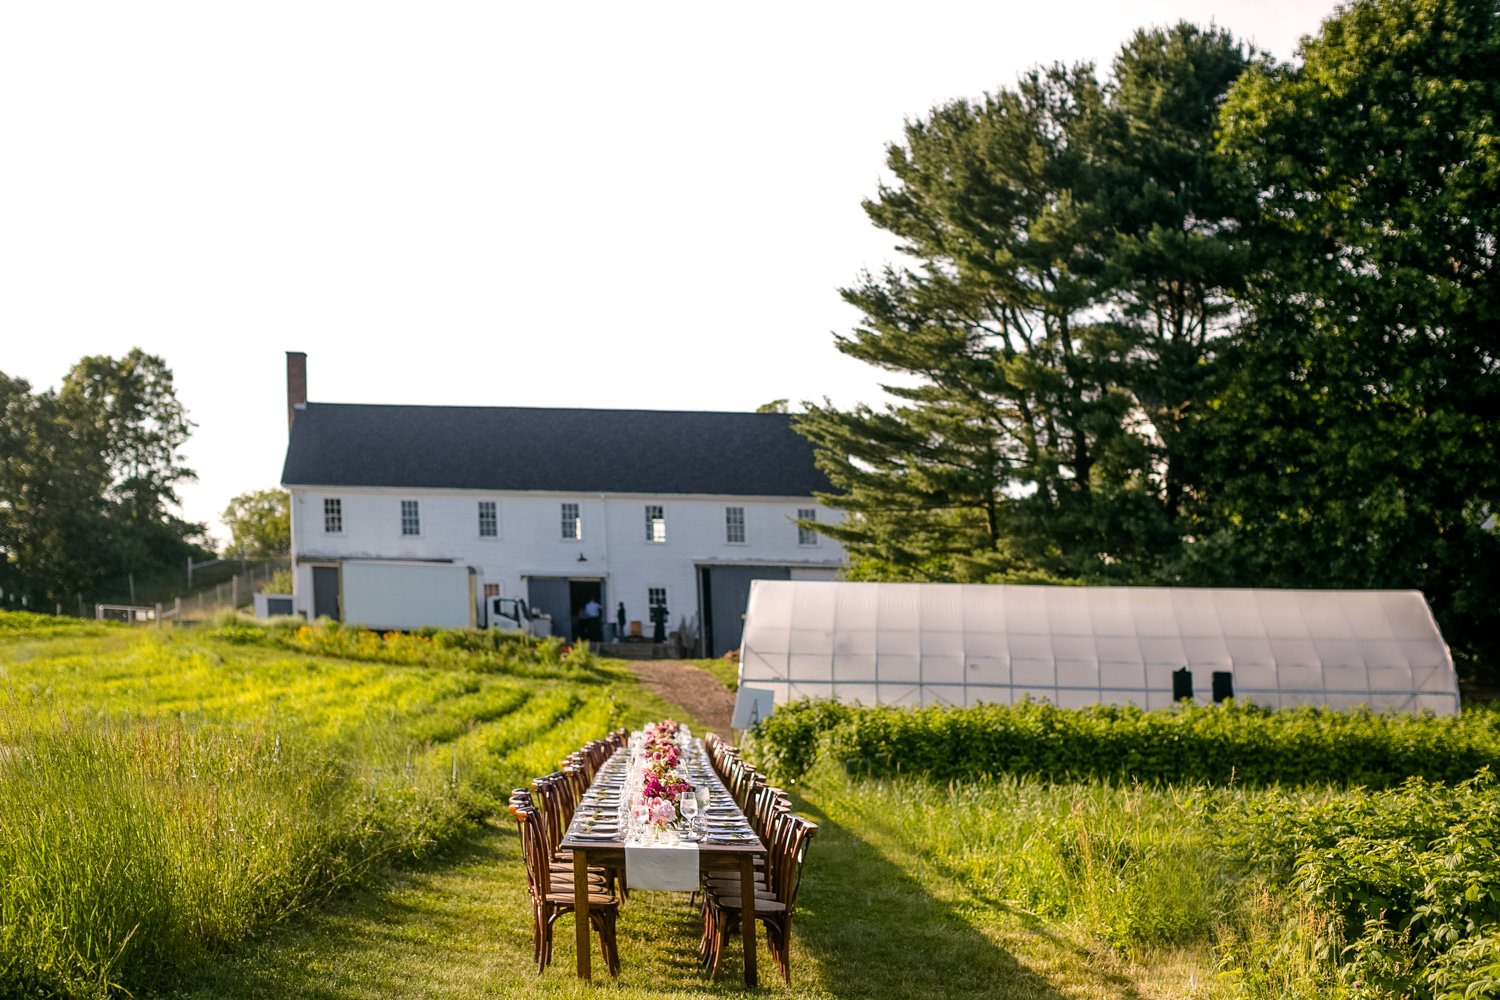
[
  {"x": 1401, "y": 884},
  {"x": 279, "y": 582},
  {"x": 1220, "y": 744},
  {"x": 30, "y": 625},
  {"x": 481, "y": 650}
]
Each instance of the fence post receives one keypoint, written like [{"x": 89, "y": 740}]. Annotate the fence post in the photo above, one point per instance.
[
  {"x": 158, "y": 614},
  {"x": 234, "y": 591},
  {"x": 177, "y": 609}
]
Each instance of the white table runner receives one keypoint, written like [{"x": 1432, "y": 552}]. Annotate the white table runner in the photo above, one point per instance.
[{"x": 664, "y": 867}]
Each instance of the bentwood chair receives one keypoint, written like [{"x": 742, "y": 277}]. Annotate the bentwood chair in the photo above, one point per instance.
[
  {"x": 552, "y": 896},
  {"x": 774, "y": 906}
]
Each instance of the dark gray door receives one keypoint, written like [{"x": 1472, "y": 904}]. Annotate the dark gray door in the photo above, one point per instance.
[
  {"x": 550, "y": 595},
  {"x": 725, "y": 594},
  {"x": 326, "y": 592}
]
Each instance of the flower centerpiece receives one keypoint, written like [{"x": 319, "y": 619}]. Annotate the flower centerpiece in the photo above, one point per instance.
[{"x": 662, "y": 784}]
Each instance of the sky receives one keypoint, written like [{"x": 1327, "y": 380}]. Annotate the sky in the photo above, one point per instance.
[{"x": 648, "y": 205}]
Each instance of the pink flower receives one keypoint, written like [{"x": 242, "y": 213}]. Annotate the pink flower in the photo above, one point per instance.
[{"x": 663, "y": 811}]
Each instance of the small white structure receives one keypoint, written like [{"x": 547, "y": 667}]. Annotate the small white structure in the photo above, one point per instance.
[{"x": 960, "y": 644}]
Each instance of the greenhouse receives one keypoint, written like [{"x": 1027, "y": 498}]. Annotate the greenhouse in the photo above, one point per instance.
[{"x": 960, "y": 644}]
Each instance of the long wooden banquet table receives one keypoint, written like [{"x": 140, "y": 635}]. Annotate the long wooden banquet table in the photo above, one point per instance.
[{"x": 717, "y": 852}]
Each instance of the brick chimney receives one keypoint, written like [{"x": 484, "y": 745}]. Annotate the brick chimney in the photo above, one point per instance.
[{"x": 296, "y": 385}]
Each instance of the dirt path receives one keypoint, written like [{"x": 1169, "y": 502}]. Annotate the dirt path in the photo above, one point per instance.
[{"x": 698, "y": 692}]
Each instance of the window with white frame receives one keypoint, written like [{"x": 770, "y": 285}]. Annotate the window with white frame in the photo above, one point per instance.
[
  {"x": 734, "y": 525},
  {"x": 411, "y": 518},
  {"x": 805, "y": 534},
  {"x": 489, "y": 521},
  {"x": 656, "y": 523},
  {"x": 333, "y": 516},
  {"x": 656, "y": 597},
  {"x": 572, "y": 522}
]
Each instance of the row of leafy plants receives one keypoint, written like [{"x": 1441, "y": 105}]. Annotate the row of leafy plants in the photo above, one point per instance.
[
  {"x": 1232, "y": 742},
  {"x": 1388, "y": 893},
  {"x": 485, "y": 650}
]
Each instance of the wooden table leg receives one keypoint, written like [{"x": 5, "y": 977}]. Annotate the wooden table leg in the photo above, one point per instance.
[
  {"x": 581, "y": 911},
  {"x": 747, "y": 916}
]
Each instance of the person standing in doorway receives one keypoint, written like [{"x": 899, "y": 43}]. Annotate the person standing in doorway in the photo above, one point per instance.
[{"x": 592, "y": 629}]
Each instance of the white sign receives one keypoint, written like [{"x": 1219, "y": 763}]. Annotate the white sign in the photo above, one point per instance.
[{"x": 751, "y": 705}]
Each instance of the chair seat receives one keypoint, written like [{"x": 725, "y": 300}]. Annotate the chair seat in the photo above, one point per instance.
[
  {"x": 565, "y": 882},
  {"x": 763, "y": 906},
  {"x": 598, "y": 899},
  {"x": 720, "y": 886}
]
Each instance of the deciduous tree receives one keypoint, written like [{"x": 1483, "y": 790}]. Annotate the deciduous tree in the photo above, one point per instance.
[
  {"x": 88, "y": 476},
  {"x": 1358, "y": 442},
  {"x": 260, "y": 523}
]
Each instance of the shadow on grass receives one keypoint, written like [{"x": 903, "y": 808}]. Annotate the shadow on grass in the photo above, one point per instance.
[
  {"x": 458, "y": 927},
  {"x": 875, "y": 931}
]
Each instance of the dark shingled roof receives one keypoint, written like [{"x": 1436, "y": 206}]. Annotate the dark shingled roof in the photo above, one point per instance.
[{"x": 564, "y": 450}]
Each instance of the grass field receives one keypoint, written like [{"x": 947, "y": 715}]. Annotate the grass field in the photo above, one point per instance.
[
  {"x": 165, "y": 795},
  {"x": 234, "y": 812}
]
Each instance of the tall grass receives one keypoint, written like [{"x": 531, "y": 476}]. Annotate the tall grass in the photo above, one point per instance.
[
  {"x": 166, "y": 795},
  {"x": 129, "y": 852},
  {"x": 1131, "y": 866}
]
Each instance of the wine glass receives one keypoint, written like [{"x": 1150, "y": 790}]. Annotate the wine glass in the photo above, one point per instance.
[
  {"x": 689, "y": 806},
  {"x": 701, "y": 794}
]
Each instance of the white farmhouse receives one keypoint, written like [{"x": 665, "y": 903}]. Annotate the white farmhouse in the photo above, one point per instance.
[{"x": 560, "y": 507}]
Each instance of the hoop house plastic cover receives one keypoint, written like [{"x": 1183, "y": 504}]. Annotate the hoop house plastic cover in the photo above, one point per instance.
[{"x": 960, "y": 644}]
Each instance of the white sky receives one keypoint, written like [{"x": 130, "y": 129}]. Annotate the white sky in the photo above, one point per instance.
[{"x": 593, "y": 204}]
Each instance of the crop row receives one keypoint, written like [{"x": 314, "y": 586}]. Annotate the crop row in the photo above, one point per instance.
[{"x": 1220, "y": 744}]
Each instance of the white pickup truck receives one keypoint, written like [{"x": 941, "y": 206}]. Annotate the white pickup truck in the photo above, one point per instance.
[{"x": 511, "y": 614}]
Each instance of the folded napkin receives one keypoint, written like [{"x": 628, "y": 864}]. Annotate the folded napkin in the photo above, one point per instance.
[{"x": 670, "y": 868}]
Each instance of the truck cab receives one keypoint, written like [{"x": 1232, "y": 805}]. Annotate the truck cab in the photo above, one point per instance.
[{"x": 510, "y": 614}]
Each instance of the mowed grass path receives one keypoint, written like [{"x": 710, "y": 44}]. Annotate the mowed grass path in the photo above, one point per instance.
[{"x": 875, "y": 920}]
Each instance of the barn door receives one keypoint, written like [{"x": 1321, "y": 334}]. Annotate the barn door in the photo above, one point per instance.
[
  {"x": 326, "y": 592},
  {"x": 725, "y": 592},
  {"x": 550, "y": 595}
]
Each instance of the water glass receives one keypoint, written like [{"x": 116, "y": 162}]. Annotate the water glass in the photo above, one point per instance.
[{"x": 689, "y": 806}]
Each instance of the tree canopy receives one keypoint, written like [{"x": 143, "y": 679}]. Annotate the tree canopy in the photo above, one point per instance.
[
  {"x": 88, "y": 478},
  {"x": 1209, "y": 320},
  {"x": 1070, "y": 274},
  {"x": 260, "y": 523},
  {"x": 1357, "y": 441}
]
